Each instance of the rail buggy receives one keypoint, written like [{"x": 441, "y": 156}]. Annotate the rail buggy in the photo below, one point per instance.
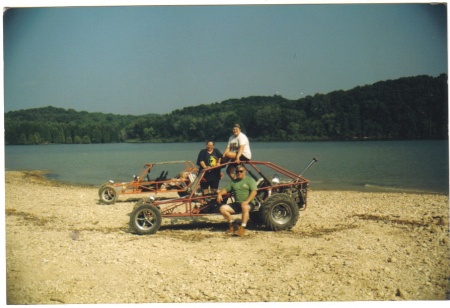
[
  {"x": 280, "y": 198},
  {"x": 152, "y": 178}
]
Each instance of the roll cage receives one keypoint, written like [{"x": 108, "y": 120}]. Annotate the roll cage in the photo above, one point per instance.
[{"x": 191, "y": 201}]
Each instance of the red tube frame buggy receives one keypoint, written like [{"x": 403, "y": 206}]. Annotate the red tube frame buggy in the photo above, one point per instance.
[
  {"x": 279, "y": 200},
  {"x": 141, "y": 183}
]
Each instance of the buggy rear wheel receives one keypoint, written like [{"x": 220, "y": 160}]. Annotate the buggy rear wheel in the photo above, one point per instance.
[
  {"x": 108, "y": 194},
  {"x": 279, "y": 212},
  {"x": 145, "y": 219}
]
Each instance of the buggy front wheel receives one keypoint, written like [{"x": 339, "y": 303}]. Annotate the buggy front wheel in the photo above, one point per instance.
[
  {"x": 108, "y": 194},
  {"x": 145, "y": 219},
  {"x": 279, "y": 212}
]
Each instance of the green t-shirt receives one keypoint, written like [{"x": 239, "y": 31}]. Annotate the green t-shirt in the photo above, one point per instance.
[{"x": 242, "y": 188}]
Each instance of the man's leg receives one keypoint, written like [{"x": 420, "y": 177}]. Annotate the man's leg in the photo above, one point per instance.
[
  {"x": 213, "y": 186},
  {"x": 226, "y": 211},
  {"x": 230, "y": 171},
  {"x": 245, "y": 218},
  {"x": 205, "y": 187},
  {"x": 231, "y": 155},
  {"x": 245, "y": 214},
  {"x": 231, "y": 168}
]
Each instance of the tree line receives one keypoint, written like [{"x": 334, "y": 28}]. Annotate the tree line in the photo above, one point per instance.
[{"x": 405, "y": 108}]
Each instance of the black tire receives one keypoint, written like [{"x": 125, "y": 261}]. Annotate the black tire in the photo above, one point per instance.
[
  {"x": 108, "y": 194},
  {"x": 279, "y": 212},
  {"x": 145, "y": 219},
  {"x": 100, "y": 189}
]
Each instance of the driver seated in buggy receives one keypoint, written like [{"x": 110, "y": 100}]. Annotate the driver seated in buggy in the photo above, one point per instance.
[{"x": 244, "y": 189}]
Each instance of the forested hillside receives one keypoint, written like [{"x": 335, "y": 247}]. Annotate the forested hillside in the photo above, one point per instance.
[{"x": 406, "y": 108}]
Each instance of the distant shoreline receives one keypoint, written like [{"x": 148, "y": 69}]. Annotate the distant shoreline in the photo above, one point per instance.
[{"x": 312, "y": 140}]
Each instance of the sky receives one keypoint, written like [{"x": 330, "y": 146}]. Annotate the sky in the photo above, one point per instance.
[{"x": 155, "y": 59}]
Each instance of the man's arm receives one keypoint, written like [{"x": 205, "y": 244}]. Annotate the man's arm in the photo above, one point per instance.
[
  {"x": 220, "y": 194},
  {"x": 251, "y": 196},
  {"x": 219, "y": 156},
  {"x": 200, "y": 159}
]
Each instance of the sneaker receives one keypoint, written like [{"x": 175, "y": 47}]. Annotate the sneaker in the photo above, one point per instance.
[
  {"x": 240, "y": 231},
  {"x": 233, "y": 227}
]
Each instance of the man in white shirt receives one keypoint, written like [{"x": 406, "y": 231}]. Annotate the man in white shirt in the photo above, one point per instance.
[{"x": 238, "y": 149}]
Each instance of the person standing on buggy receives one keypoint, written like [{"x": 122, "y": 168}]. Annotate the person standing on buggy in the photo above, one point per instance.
[
  {"x": 207, "y": 158},
  {"x": 238, "y": 149}
]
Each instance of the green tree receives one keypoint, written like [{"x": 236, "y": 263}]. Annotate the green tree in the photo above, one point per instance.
[
  {"x": 23, "y": 139},
  {"x": 86, "y": 139}
]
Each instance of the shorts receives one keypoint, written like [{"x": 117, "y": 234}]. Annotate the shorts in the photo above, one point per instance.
[
  {"x": 237, "y": 208},
  {"x": 214, "y": 184},
  {"x": 243, "y": 158}
]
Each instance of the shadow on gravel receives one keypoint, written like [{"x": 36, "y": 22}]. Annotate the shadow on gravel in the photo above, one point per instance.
[
  {"x": 208, "y": 226},
  {"x": 320, "y": 232},
  {"x": 438, "y": 220},
  {"x": 31, "y": 218}
]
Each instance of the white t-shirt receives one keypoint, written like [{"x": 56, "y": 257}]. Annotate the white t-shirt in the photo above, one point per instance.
[{"x": 235, "y": 142}]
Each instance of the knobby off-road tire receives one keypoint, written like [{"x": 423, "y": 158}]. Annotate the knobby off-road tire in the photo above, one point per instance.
[
  {"x": 145, "y": 219},
  {"x": 279, "y": 212},
  {"x": 108, "y": 194}
]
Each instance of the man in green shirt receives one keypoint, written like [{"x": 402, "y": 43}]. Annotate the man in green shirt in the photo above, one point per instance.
[{"x": 244, "y": 190}]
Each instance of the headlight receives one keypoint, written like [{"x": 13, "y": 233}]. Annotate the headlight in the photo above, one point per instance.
[
  {"x": 111, "y": 181},
  {"x": 276, "y": 179}
]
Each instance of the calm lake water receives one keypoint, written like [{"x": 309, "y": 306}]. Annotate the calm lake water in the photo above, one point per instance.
[{"x": 408, "y": 166}]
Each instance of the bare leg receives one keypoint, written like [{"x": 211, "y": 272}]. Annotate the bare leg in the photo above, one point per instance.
[
  {"x": 231, "y": 168},
  {"x": 230, "y": 171},
  {"x": 226, "y": 211},
  {"x": 245, "y": 214}
]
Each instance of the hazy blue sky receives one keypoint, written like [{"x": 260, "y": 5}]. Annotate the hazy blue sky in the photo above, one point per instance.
[{"x": 154, "y": 59}]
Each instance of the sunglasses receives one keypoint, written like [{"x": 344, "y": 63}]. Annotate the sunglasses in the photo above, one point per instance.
[{"x": 239, "y": 171}]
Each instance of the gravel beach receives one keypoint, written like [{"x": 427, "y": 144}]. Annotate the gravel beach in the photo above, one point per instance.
[{"x": 64, "y": 247}]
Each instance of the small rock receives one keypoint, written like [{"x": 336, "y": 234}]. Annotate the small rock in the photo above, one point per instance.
[
  {"x": 401, "y": 293},
  {"x": 434, "y": 229},
  {"x": 74, "y": 235},
  {"x": 251, "y": 291}
]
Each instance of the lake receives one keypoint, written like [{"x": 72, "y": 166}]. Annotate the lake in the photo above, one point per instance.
[{"x": 402, "y": 166}]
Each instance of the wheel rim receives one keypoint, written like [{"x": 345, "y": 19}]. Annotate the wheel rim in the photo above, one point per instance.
[
  {"x": 108, "y": 194},
  {"x": 145, "y": 219},
  {"x": 281, "y": 214}
]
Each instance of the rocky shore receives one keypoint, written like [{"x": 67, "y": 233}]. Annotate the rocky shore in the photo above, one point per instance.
[{"x": 63, "y": 247}]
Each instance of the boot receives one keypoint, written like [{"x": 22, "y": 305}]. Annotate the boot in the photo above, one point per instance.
[
  {"x": 240, "y": 231},
  {"x": 232, "y": 228}
]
